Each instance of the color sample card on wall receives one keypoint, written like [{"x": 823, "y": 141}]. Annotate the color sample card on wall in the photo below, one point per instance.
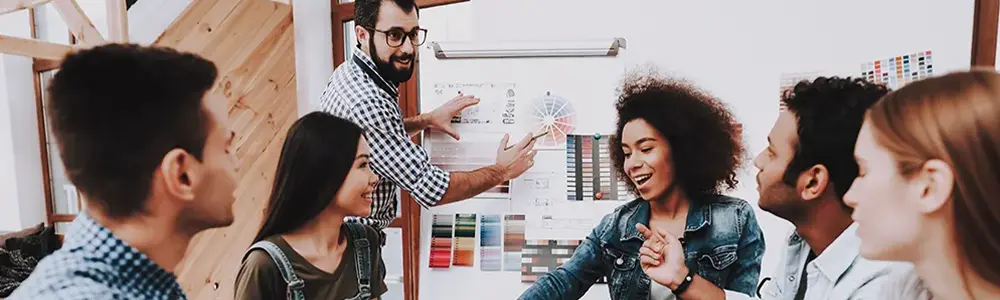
[
  {"x": 441, "y": 237},
  {"x": 476, "y": 150},
  {"x": 489, "y": 243},
  {"x": 894, "y": 72},
  {"x": 513, "y": 242},
  {"x": 589, "y": 171},
  {"x": 543, "y": 256},
  {"x": 465, "y": 239}
]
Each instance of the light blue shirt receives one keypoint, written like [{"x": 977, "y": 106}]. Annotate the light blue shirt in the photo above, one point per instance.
[{"x": 839, "y": 273}]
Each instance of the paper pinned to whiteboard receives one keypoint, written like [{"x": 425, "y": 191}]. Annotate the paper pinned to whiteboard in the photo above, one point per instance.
[{"x": 497, "y": 102}]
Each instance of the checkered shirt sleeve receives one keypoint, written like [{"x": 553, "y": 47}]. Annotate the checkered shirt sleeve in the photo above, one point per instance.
[{"x": 398, "y": 161}]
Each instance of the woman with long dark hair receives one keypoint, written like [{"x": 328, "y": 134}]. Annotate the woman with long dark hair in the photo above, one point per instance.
[{"x": 305, "y": 250}]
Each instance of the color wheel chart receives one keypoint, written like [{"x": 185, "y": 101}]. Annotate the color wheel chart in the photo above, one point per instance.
[
  {"x": 589, "y": 173},
  {"x": 897, "y": 71},
  {"x": 554, "y": 115},
  {"x": 465, "y": 239},
  {"x": 441, "y": 241}
]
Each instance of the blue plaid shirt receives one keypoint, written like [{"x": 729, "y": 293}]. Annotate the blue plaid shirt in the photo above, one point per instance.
[{"x": 94, "y": 264}]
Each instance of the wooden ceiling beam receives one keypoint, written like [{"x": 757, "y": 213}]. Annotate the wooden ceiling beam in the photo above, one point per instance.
[
  {"x": 33, "y": 48},
  {"x": 9, "y": 6},
  {"x": 78, "y": 22},
  {"x": 117, "y": 21}
]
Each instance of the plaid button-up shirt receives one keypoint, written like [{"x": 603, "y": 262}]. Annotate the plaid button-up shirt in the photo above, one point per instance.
[
  {"x": 357, "y": 92},
  {"x": 95, "y": 264}
]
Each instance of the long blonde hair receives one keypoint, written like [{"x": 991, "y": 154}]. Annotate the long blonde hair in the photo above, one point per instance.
[{"x": 954, "y": 118}]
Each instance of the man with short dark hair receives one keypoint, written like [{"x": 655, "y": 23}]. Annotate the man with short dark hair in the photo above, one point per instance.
[
  {"x": 364, "y": 89},
  {"x": 805, "y": 171},
  {"x": 149, "y": 151}
]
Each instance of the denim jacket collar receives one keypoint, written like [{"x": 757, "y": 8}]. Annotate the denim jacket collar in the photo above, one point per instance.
[{"x": 699, "y": 216}]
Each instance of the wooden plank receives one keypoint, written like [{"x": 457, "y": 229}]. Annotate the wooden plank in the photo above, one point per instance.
[
  {"x": 33, "y": 48},
  {"x": 984, "y": 33},
  {"x": 117, "y": 21},
  {"x": 78, "y": 22},
  {"x": 9, "y": 6},
  {"x": 42, "y": 65}
]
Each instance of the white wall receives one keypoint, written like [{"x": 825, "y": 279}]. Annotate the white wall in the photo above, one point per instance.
[
  {"x": 22, "y": 189},
  {"x": 21, "y": 184},
  {"x": 735, "y": 50},
  {"x": 313, "y": 51}
]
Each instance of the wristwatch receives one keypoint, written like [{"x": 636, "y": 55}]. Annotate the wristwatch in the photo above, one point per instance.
[{"x": 684, "y": 283}]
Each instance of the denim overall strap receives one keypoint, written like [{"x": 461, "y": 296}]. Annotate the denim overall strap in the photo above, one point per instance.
[
  {"x": 296, "y": 286},
  {"x": 362, "y": 258}
]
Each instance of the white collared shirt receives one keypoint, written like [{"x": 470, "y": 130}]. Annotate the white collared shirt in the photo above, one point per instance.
[{"x": 839, "y": 273}]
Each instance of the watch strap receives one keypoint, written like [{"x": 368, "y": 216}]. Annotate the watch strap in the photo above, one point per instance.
[{"x": 684, "y": 283}]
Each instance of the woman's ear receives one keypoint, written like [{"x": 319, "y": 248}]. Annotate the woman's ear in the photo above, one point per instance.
[{"x": 933, "y": 185}]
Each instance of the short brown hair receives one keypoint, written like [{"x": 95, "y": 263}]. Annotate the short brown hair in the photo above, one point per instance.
[{"x": 117, "y": 109}]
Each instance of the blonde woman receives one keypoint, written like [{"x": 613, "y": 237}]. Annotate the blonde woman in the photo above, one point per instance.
[{"x": 928, "y": 186}]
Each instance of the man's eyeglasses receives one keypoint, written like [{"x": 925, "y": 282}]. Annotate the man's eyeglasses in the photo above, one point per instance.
[{"x": 394, "y": 37}]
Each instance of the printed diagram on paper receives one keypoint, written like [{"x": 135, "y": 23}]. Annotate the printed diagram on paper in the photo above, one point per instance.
[{"x": 497, "y": 102}]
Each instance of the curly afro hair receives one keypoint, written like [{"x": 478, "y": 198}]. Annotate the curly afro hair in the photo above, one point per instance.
[{"x": 702, "y": 133}]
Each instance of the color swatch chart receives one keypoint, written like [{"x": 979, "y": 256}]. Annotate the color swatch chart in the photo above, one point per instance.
[
  {"x": 453, "y": 241},
  {"x": 441, "y": 236},
  {"x": 897, "y": 71},
  {"x": 489, "y": 243},
  {"x": 475, "y": 150},
  {"x": 513, "y": 242},
  {"x": 589, "y": 171},
  {"x": 465, "y": 239},
  {"x": 543, "y": 256}
]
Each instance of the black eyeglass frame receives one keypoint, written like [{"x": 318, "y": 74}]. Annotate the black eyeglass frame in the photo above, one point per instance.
[{"x": 406, "y": 36}]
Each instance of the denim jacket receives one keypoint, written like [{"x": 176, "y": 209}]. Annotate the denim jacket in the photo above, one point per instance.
[{"x": 723, "y": 244}]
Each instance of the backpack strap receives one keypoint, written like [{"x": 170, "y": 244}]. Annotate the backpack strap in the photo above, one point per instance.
[
  {"x": 296, "y": 287},
  {"x": 362, "y": 258}
]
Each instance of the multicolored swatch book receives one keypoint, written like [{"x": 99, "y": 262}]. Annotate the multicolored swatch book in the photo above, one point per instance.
[
  {"x": 589, "y": 171},
  {"x": 490, "y": 258},
  {"x": 465, "y": 239},
  {"x": 441, "y": 236},
  {"x": 513, "y": 242}
]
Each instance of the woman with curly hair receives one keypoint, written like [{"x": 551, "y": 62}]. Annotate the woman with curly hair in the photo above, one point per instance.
[{"x": 677, "y": 148}]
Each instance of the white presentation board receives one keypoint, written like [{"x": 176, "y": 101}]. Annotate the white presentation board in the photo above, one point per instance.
[{"x": 561, "y": 198}]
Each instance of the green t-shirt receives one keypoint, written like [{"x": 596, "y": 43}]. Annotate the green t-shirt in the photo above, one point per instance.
[{"x": 259, "y": 277}]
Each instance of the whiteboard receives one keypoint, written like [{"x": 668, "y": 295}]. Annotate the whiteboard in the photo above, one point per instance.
[{"x": 532, "y": 86}]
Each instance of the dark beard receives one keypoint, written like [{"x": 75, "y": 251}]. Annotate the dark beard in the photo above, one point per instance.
[
  {"x": 387, "y": 69},
  {"x": 782, "y": 201}
]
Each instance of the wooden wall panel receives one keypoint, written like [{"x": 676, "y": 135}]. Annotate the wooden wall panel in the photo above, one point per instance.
[{"x": 251, "y": 42}]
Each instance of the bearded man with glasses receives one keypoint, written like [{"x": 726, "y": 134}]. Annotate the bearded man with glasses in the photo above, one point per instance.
[{"x": 364, "y": 90}]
